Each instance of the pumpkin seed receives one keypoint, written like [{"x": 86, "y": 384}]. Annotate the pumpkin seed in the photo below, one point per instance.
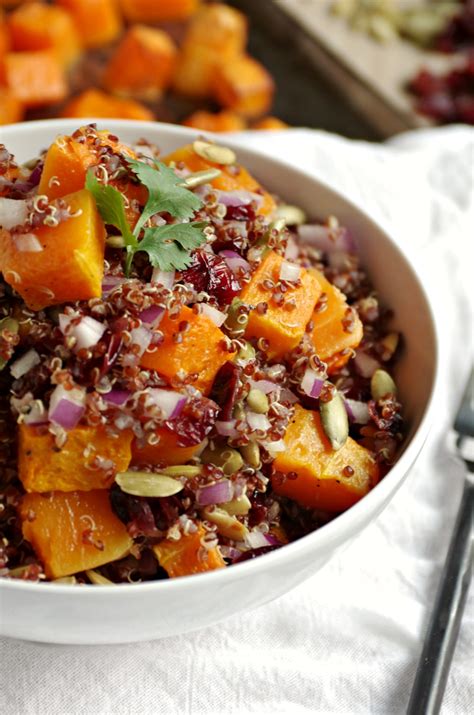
[
  {"x": 12, "y": 326},
  {"x": 238, "y": 413},
  {"x": 182, "y": 470},
  {"x": 390, "y": 344},
  {"x": 334, "y": 420},
  {"x": 251, "y": 454},
  {"x": 227, "y": 525},
  {"x": 238, "y": 507},
  {"x": 18, "y": 571},
  {"x": 382, "y": 29},
  {"x": 247, "y": 352},
  {"x": 230, "y": 460},
  {"x": 96, "y": 578},
  {"x": 144, "y": 484},
  {"x": 258, "y": 401},
  {"x": 198, "y": 178},
  {"x": 291, "y": 215},
  {"x": 115, "y": 242},
  {"x": 66, "y": 580},
  {"x": 214, "y": 152},
  {"x": 237, "y": 319},
  {"x": 381, "y": 384}
]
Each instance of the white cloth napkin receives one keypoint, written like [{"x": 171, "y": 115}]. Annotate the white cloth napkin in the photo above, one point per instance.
[{"x": 347, "y": 640}]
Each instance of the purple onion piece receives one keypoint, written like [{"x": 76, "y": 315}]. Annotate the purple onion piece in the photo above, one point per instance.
[{"x": 217, "y": 493}]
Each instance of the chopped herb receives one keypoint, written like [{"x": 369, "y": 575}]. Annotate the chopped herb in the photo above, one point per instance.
[{"x": 169, "y": 246}]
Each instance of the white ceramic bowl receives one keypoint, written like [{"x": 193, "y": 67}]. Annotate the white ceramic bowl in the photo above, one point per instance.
[{"x": 118, "y": 614}]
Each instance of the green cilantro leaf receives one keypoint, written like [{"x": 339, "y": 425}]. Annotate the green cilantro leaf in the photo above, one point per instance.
[
  {"x": 165, "y": 192},
  {"x": 111, "y": 207},
  {"x": 168, "y": 247}
]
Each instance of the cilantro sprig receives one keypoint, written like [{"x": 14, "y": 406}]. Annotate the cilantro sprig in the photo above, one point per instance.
[{"x": 168, "y": 247}]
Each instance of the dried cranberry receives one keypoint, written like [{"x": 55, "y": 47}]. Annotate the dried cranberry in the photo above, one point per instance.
[
  {"x": 166, "y": 511},
  {"x": 225, "y": 389},
  {"x": 253, "y": 553},
  {"x": 195, "y": 421},
  {"x": 113, "y": 349},
  {"x": 135, "y": 512},
  {"x": 210, "y": 273},
  {"x": 246, "y": 212}
]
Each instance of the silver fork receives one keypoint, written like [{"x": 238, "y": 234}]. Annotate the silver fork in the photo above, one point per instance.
[{"x": 440, "y": 640}]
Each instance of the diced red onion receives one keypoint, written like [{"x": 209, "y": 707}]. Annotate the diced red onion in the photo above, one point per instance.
[
  {"x": 229, "y": 552},
  {"x": 292, "y": 250},
  {"x": 218, "y": 493},
  {"x": 37, "y": 415},
  {"x": 217, "y": 316},
  {"x": 111, "y": 282},
  {"x": 27, "y": 243},
  {"x": 24, "y": 364},
  {"x": 312, "y": 383},
  {"x": 117, "y": 397},
  {"x": 164, "y": 278},
  {"x": 13, "y": 212},
  {"x": 87, "y": 332},
  {"x": 142, "y": 337},
  {"x": 240, "y": 227},
  {"x": 339, "y": 260},
  {"x": 256, "y": 539},
  {"x": 257, "y": 421},
  {"x": 238, "y": 198},
  {"x": 272, "y": 540},
  {"x": 365, "y": 364},
  {"x": 235, "y": 262},
  {"x": 226, "y": 429},
  {"x": 275, "y": 447},
  {"x": 152, "y": 316},
  {"x": 66, "y": 407},
  {"x": 326, "y": 239},
  {"x": 290, "y": 271},
  {"x": 288, "y": 396},
  {"x": 358, "y": 412},
  {"x": 171, "y": 403},
  {"x": 265, "y": 386}
]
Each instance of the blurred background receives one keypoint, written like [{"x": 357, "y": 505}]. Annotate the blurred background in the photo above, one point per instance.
[{"x": 361, "y": 68}]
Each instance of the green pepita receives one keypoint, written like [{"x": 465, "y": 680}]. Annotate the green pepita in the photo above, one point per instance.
[
  {"x": 382, "y": 384},
  {"x": 237, "y": 317},
  {"x": 182, "y": 470},
  {"x": 334, "y": 420},
  {"x": 215, "y": 153},
  {"x": 198, "y": 178},
  {"x": 238, "y": 507},
  {"x": 258, "y": 401},
  {"x": 291, "y": 215},
  {"x": 97, "y": 579},
  {"x": 247, "y": 352},
  {"x": 66, "y": 580},
  {"x": 227, "y": 525},
  {"x": 390, "y": 344},
  {"x": 251, "y": 454},
  {"x": 228, "y": 459},
  {"x": 144, "y": 484},
  {"x": 115, "y": 242}
]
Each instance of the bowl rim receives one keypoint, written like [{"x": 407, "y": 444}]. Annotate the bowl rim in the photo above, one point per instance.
[{"x": 322, "y": 537}]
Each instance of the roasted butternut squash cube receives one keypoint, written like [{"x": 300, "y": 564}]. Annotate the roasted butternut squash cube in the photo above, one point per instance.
[
  {"x": 166, "y": 451},
  {"x": 197, "y": 357},
  {"x": 187, "y": 556},
  {"x": 35, "y": 79},
  {"x": 219, "y": 27},
  {"x": 98, "y": 22},
  {"x": 337, "y": 328},
  {"x": 283, "y": 328},
  {"x": 70, "y": 264},
  {"x": 36, "y": 26},
  {"x": 243, "y": 85},
  {"x": 215, "y": 121},
  {"x": 231, "y": 178},
  {"x": 270, "y": 123},
  {"x": 194, "y": 72},
  {"x": 11, "y": 110},
  {"x": 94, "y": 103},
  {"x": 89, "y": 459},
  {"x": 4, "y": 36},
  {"x": 143, "y": 63},
  {"x": 73, "y": 531},
  {"x": 158, "y": 10},
  {"x": 321, "y": 481}
]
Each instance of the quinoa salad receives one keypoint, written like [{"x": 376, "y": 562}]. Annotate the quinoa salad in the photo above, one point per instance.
[{"x": 192, "y": 372}]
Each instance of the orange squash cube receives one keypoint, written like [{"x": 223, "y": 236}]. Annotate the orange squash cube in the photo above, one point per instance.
[
  {"x": 36, "y": 26},
  {"x": 215, "y": 122},
  {"x": 42, "y": 467},
  {"x": 11, "y": 110},
  {"x": 70, "y": 265},
  {"x": 216, "y": 34},
  {"x": 35, "y": 79},
  {"x": 321, "y": 482},
  {"x": 244, "y": 86},
  {"x": 187, "y": 556},
  {"x": 74, "y": 531},
  {"x": 142, "y": 65},
  {"x": 158, "y": 10},
  {"x": 166, "y": 451},
  {"x": 98, "y": 22},
  {"x": 95, "y": 103},
  {"x": 201, "y": 352},
  {"x": 270, "y": 123},
  {"x": 282, "y": 328},
  {"x": 231, "y": 178},
  {"x": 4, "y": 36},
  {"x": 333, "y": 337}
]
